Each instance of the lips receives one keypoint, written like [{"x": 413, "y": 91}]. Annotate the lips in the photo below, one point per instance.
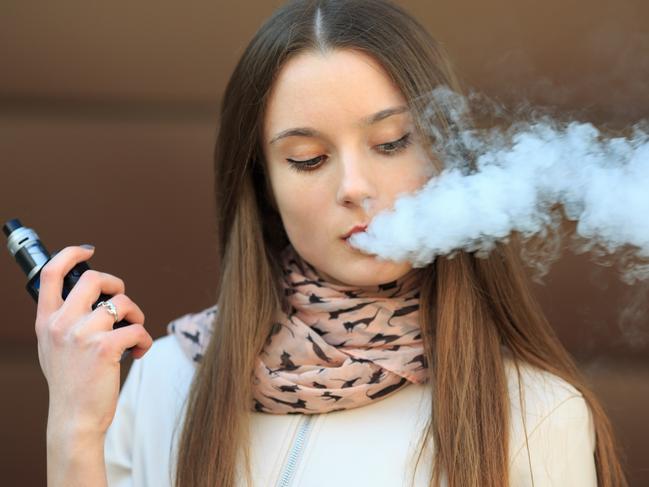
[{"x": 355, "y": 229}]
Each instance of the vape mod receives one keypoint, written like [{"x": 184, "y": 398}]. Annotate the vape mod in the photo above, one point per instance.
[{"x": 30, "y": 254}]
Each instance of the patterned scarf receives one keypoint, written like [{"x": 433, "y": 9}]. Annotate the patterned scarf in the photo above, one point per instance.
[{"x": 339, "y": 347}]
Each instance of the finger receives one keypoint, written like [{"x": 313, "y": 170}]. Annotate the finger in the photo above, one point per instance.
[
  {"x": 102, "y": 320},
  {"x": 52, "y": 274},
  {"x": 88, "y": 288},
  {"x": 134, "y": 335}
]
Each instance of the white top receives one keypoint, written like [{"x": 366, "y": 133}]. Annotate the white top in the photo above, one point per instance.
[{"x": 369, "y": 445}]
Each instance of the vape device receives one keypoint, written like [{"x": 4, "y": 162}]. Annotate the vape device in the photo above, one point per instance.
[{"x": 30, "y": 254}]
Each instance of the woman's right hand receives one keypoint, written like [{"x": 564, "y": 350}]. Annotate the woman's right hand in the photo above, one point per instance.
[{"x": 78, "y": 350}]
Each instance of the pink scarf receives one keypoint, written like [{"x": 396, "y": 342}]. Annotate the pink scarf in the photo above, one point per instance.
[{"x": 340, "y": 347}]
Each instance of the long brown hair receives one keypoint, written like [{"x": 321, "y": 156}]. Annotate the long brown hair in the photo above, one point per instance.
[{"x": 470, "y": 307}]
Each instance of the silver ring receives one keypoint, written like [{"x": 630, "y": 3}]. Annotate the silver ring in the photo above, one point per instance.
[{"x": 110, "y": 307}]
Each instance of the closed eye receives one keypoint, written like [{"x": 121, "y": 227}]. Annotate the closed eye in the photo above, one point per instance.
[{"x": 388, "y": 149}]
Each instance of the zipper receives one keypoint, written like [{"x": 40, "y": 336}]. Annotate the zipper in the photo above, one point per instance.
[{"x": 295, "y": 453}]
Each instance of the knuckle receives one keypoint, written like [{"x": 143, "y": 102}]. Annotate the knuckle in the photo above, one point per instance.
[
  {"x": 77, "y": 336},
  {"x": 132, "y": 305},
  {"x": 114, "y": 280},
  {"x": 105, "y": 348},
  {"x": 121, "y": 283},
  {"x": 138, "y": 311},
  {"x": 137, "y": 329},
  {"x": 50, "y": 271},
  {"x": 40, "y": 322},
  {"x": 121, "y": 300},
  {"x": 144, "y": 335},
  {"x": 91, "y": 277},
  {"x": 39, "y": 329},
  {"x": 56, "y": 331},
  {"x": 117, "y": 297}
]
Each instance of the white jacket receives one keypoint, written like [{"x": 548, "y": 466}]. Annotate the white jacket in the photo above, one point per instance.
[{"x": 372, "y": 445}]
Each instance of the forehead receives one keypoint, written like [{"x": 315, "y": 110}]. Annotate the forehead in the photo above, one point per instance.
[{"x": 338, "y": 87}]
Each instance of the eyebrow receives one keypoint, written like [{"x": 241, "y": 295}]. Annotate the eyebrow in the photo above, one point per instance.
[{"x": 369, "y": 120}]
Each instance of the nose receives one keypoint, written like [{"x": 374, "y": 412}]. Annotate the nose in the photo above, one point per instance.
[{"x": 357, "y": 188}]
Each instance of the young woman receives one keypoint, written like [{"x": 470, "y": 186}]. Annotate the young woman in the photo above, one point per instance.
[{"x": 320, "y": 364}]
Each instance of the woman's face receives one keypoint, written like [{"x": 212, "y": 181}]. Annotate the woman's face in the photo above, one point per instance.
[{"x": 333, "y": 164}]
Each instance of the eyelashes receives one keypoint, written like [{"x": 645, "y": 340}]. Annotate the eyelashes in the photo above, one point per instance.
[{"x": 388, "y": 149}]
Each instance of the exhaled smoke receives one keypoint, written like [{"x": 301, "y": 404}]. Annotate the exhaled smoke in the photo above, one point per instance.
[{"x": 513, "y": 179}]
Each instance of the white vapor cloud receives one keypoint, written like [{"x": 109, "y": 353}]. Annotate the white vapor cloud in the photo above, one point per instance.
[{"x": 514, "y": 182}]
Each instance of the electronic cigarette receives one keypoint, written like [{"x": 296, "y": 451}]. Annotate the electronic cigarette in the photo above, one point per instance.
[{"x": 30, "y": 254}]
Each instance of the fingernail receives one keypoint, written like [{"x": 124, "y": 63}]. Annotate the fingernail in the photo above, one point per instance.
[{"x": 88, "y": 246}]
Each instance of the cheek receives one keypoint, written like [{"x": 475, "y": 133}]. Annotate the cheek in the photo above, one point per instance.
[
  {"x": 426, "y": 172},
  {"x": 410, "y": 177},
  {"x": 422, "y": 166},
  {"x": 302, "y": 212},
  {"x": 428, "y": 165}
]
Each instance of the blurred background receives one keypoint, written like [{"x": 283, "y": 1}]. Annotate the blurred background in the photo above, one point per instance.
[{"x": 108, "y": 116}]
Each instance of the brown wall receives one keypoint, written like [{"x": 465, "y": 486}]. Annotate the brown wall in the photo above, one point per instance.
[{"x": 107, "y": 124}]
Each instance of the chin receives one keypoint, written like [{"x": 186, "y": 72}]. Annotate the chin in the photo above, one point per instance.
[{"x": 369, "y": 272}]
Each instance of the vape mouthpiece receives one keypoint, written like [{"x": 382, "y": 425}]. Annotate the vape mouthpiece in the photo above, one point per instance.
[
  {"x": 10, "y": 226},
  {"x": 25, "y": 246}
]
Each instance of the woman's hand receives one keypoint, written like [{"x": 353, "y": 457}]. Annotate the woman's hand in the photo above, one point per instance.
[{"x": 78, "y": 350}]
